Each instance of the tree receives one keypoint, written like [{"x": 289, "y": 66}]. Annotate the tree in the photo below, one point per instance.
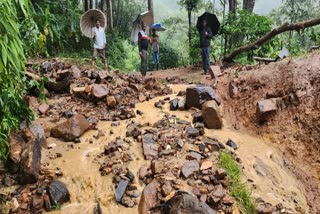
[
  {"x": 248, "y": 5},
  {"x": 190, "y": 5},
  {"x": 233, "y": 6},
  {"x": 109, "y": 15},
  {"x": 150, "y": 8}
]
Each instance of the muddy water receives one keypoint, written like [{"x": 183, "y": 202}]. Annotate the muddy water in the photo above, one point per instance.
[{"x": 262, "y": 164}]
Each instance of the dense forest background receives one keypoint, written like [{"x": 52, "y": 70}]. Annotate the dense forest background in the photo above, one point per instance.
[{"x": 50, "y": 28}]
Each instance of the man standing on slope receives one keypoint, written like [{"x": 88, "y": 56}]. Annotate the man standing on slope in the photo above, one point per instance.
[
  {"x": 205, "y": 39},
  {"x": 143, "y": 42},
  {"x": 99, "y": 38}
]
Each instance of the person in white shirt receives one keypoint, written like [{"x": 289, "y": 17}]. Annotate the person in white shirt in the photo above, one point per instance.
[{"x": 99, "y": 38}]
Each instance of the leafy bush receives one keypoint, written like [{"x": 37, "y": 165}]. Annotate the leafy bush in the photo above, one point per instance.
[{"x": 13, "y": 108}]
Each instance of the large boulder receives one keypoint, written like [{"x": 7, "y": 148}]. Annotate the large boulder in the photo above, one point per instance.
[
  {"x": 71, "y": 129},
  {"x": 149, "y": 197},
  {"x": 30, "y": 163},
  {"x": 197, "y": 95},
  {"x": 187, "y": 204},
  {"x": 211, "y": 115}
]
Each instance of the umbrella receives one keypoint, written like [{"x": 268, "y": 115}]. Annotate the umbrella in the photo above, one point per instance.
[
  {"x": 212, "y": 21},
  {"x": 145, "y": 18},
  {"x": 88, "y": 21},
  {"x": 158, "y": 27}
]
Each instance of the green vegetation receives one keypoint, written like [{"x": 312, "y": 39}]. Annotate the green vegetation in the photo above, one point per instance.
[
  {"x": 238, "y": 189},
  {"x": 13, "y": 86}
]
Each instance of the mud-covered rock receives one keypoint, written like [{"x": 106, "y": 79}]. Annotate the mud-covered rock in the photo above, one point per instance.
[
  {"x": 111, "y": 101},
  {"x": 71, "y": 129},
  {"x": 211, "y": 115},
  {"x": 100, "y": 90},
  {"x": 192, "y": 132},
  {"x": 265, "y": 108},
  {"x": 197, "y": 95},
  {"x": 187, "y": 204}
]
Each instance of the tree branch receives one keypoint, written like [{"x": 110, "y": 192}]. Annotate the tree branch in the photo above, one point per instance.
[{"x": 286, "y": 27}]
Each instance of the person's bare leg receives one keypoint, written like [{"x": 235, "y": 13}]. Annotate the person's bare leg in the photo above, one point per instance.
[{"x": 93, "y": 64}]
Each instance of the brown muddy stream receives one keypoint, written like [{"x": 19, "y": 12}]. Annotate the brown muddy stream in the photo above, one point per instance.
[{"x": 262, "y": 164}]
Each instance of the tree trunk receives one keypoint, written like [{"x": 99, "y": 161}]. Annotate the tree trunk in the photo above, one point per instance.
[
  {"x": 150, "y": 8},
  {"x": 109, "y": 15},
  {"x": 286, "y": 27},
  {"x": 189, "y": 35},
  {"x": 86, "y": 5},
  {"x": 91, "y": 4},
  {"x": 248, "y": 5},
  {"x": 233, "y": 6},
  {"x": 102, "y": 5},
  {"x": 117, "y": 13}
]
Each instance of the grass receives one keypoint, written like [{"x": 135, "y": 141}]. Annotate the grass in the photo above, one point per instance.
[
  {"x": 238, "y": 189},
  {"x": 56, "y": 207}
]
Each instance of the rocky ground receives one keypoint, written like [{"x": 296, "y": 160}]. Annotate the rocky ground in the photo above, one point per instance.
[{"x": 108, "y": 142}]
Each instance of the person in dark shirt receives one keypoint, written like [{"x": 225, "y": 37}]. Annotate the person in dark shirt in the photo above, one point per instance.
[
  {"x": 205, "y": 39},
  {"x": 155, "y": 46},
  {"x": 143, "y": 42}
]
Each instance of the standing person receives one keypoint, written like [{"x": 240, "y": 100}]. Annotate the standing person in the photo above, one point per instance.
[
  {"x": 155, "y": 43},
  {"x": 205, "y": 39},
  {"x": 143, "y": 42},
  {"x": 99, "y": 38}
]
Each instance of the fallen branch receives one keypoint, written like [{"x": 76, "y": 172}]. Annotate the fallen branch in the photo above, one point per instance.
[{"x": 286, "y": 27}]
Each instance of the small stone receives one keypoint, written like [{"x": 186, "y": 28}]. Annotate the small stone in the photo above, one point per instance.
[
  {"x": 220, "y": 174},
  {"x": 43, "y": 108},
  {"x": 143, "y": 172},
  {"x": 174, "y": 104},
  {"x": 157, "y": 167},
  {"x": 189, "y": 168},
  {"x": 232, "y": 144},
  {"x": 127, "y": 201},
  {"x": 192, "y": 132},
  {"x": 206, "y": 165},
  {"x": 111, "y": 101},
  {"x": 14, "y": 205},
  {"x": 166, "y": 188},
  {"x": 121, "y": 189}
]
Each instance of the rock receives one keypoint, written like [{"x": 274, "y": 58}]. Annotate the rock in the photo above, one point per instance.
[
  {"x": 58, "y": 192},
  {"x": 76, "y": 72},
  {"x": 14, "y": 205},
  {"x": 133, "y": 131},
  {"x": 149, "y": 197},
  {"x": 187, "y": 204},
  {"x": 30, "y": 163},
  {"x": 220, "y": 174},
  {"x": 194, "y": 156},
  {"x": 37, "y": 204},
  {"x": 71, "y": 129},
  {"x": 143, "y": 172},
  {"x": 32, "y": 102},
  {"x": 46, "y": 203},
  {"x": 213, "y": 144},
  {"x": 232, "y": 144},
  {"x": 38, "y": 131},
  {"x": 157, "y": 167},
  {"x": 233, "y": 90},
  {"x": 142, "y": 98},
  {"x": 99, "y": 90},
  {"x": 127, "y": 201},
  {"x": 217, "y": 195},
  {"x": 174, "y": 104},
  {"x": 130, "y": 175},
  {"x": 111, "y": 101},
  {"x": 265, "y": 108},
  {"x": 197, "y": 117},
  {"x": 197, "y": 95},
  {"x": 158, "y": 105},
  {"x": 192, "y": 132},
  {"x": 16, "y": 142},
  {"x": 133, "y": 193},
  {"x": 7, "y": 181},
  {"x": 189, "y": 168},
  {"x": 43, "y": 108},
  {"x": 214, "y": 71},
  {"x": 181, "y": 93},
  {"x": 182, "y": 104},
  {"x": 150, "y": 147},
  {"x": 200, "y": 127},
  {"x": 207, "y": 164},
  {"x": 166, "y": 188},
  {"x": 121, "y": 189},
  {"x": 211, "y": 115}
]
